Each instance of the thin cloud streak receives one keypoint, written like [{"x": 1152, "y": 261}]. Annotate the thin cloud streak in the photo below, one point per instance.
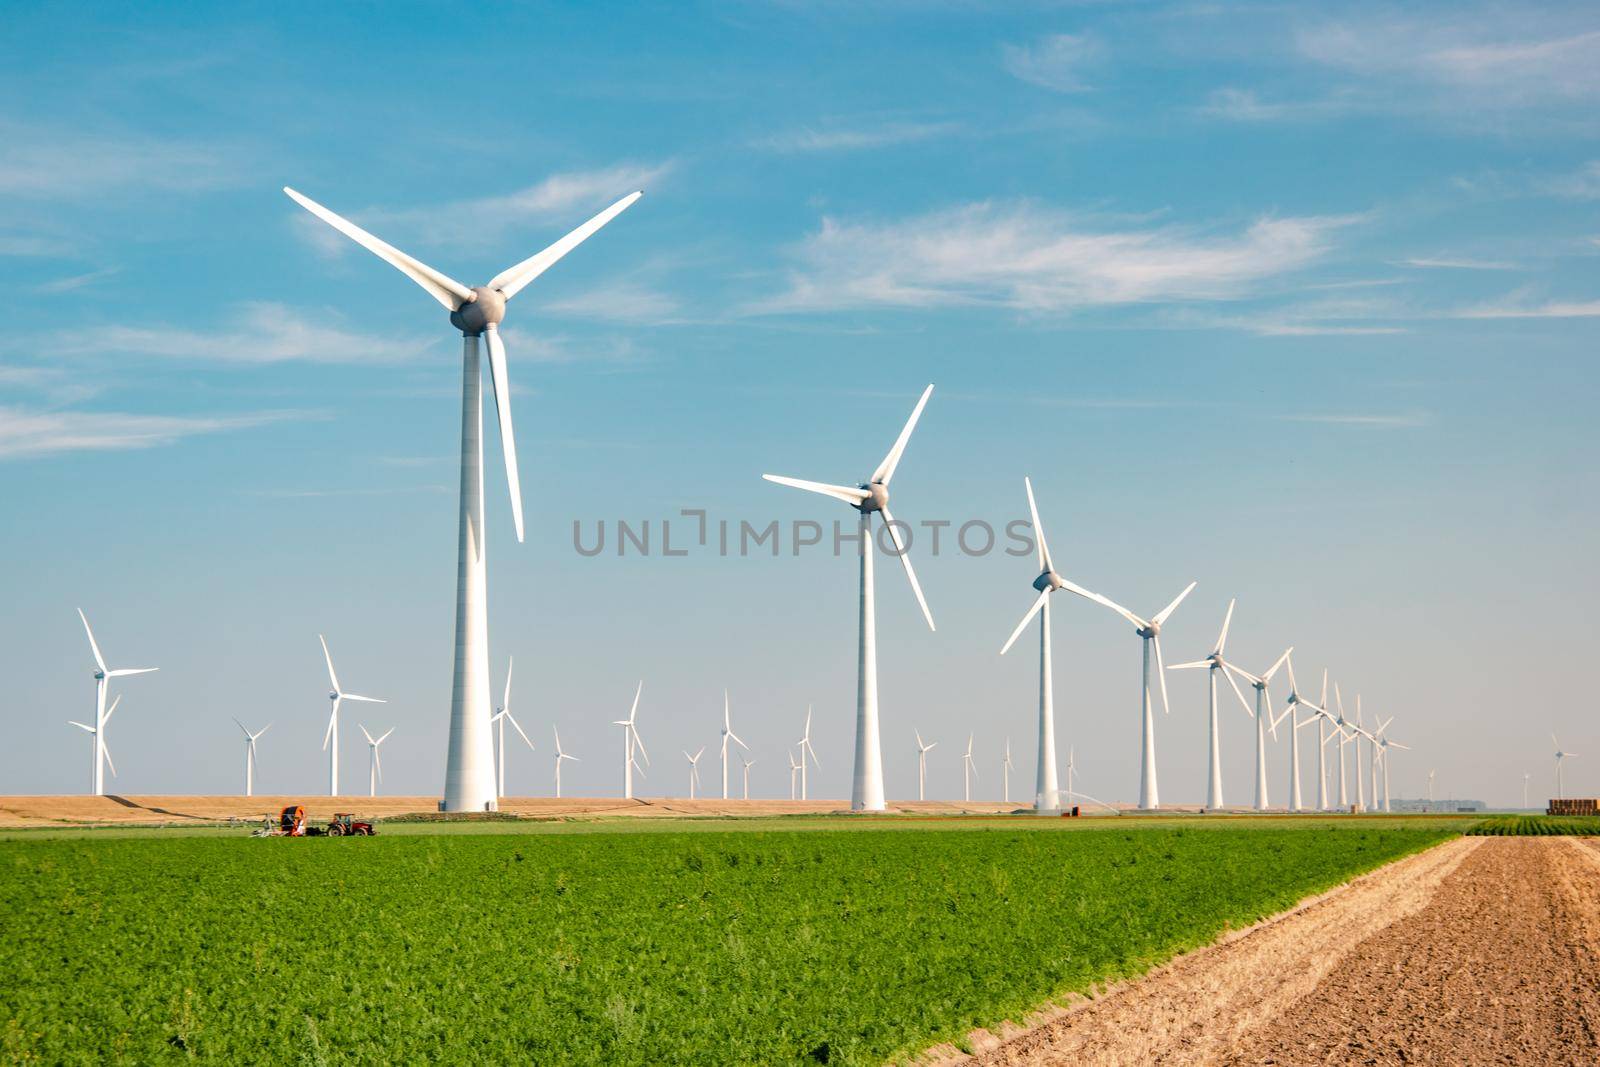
[
  {"x": 1058, "y": 62},
  {"x": 26, "y": 433},
  {"x": 1404, "y": 420},
  {"x": 842, "y": 138},
  {"x": 260, "y": 333}
]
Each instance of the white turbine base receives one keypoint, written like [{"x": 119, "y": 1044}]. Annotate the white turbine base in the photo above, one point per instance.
[{"x": 866, "y": 792}]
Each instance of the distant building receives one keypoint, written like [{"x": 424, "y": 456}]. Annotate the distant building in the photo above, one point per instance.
[{"x": 1422, "y": 806}]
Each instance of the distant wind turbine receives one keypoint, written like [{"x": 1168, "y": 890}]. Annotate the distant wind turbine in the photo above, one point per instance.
[
  {"x": 922, "y": 765},
  {"x": 1291, "y": 711},
  {"x": 748, "y": 763},
  {"x": 1431, "y": 773},
  {"x": 1525, "y": 777},
  {"x": 1561, "y": 758},
  {"x": 100, "y": 755},
  {"x": 694, "y": 769},
  {"x": 1214, "y": 663},
  {"x": 338, "y": 696},
  {"x": 1005, "y": 774},
  {"x": 375, "y": 764},
  {"x": 728, "y": 735},
  {"x": 502, "y": 716},
  {"x": 969, "y": 771},
  {"x": 871, "y": 497},
  {"x": 103, "y": 751},
  {"x": 561, "y": 755},
  {"x": 630, "y": 738},
  {"x": 250, "y": 756},
  {"x": 1149, "y": 631},
  {"x": 477, "y": 312},
  {"x": 1385, "y": 743},
  {"x": 806, "y": 752},
  {"x": 1264, "y": 722},
  {"x": 794, "y": 773}
]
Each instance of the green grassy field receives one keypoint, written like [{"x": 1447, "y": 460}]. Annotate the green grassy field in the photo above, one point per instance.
[
  {"x": 1538, "y": 826},
  {"x": 709, "y": 945}
]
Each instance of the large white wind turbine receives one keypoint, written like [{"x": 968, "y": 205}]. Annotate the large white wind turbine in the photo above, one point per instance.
[
  {"x": 1347, "y": 736},
  {"x": 1214, "y": 663},
  {"x": 1384, "y": 744},
  {"x": 922, "y": 765},
  {"x": 374, "y": 763},
  {"x": 100, "y": 754},
  {"x": 102, "y": 750},
  {"x": 969, "y": 771},
  {"x": 728, "y": 735},
  {"x": 477, "y": 312},
  {"x": 1296, "y": 724},
  {"x": 1149, "y": 631},
  {"x": 806, "y": 752},
  {"x": 694, "y": 769},
  {"x": 503, "y": 715},
  {"x": 1264, "y": 722},
  {"x": 630, "y": 738},
  {"x": 1561, "y": 757},
  {"x": 250, "y": 756},
  {"x": 561, "y": 755},
  {"x": 1046, "y": 793},
  {"x": 869, "y": 498},
  {"x": 338, "y": 696}
]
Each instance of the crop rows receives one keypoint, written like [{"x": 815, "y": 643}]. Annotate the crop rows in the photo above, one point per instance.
[
  {"x": 1538, "y": 826},
  {"x": 726, "y": 947}
]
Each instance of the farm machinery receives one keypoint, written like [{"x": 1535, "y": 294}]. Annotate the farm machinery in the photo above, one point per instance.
[{"x": 292, "y": 822}]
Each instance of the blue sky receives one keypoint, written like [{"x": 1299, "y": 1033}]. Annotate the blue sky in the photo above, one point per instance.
[{"x": 1301, "y": 304}]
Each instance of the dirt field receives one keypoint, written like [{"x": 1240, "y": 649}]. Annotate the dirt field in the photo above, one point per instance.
[
  {"x": 61, "y": 811},
  {"x": 1480, "y": 951}
]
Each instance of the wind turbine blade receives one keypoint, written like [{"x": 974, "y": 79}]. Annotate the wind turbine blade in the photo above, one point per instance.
[
  {"x": 112, "y": 710},
  {"x": 333, "y": 717},
  {"x": 905, "y": 561},
  {"x": 125, "y": 671},
  {"x": 1323, "y": 700},
  {"x": 1294, "y": 687},
  {"x": 1189, "y": 666},
  {"x": 515, "y": 725},
  {"x": 511, "y": 663},
  {"x": 1161, "y": 673},
  {"x": 885, "y": 469},
  {"x": 99, "y": 660},
  {"x": 1227, "y": 620},
  {"x": 512, "y": 280},
  {"x": 333, "y": 678},
  {"x": 1281, "y": 661},
  {"x": 849, "y": 494},
  {"x": 1161, "y": 616},
  {"x": 806, "y": 747},
  {"x": 737, "y": 739},
  {"x": 365, "y": 734},
  {"x": 1104, "y": 602},
  {"x": 1038, "y": 528},
  {"x": 105, "y": 750},
  {"x": 240, "y": 725},
  {"x": 362, "y": 699},
  {"x": 81, "y": 726},
  {"x": 635, "y": 709},
  {"x": 1243, "y": 703},
  {"x": 642, "y": 750},
  {"x": 1038, "y": 605},
  {"x": 449, "y": 292},
  {"x": 1396, "y": 744},
  {"x": 508, "y": 437},
  {"x": 385, "y": 736},
  {"x": 377, "y": 762}
]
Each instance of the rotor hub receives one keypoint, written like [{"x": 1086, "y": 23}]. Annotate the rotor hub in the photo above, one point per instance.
[
  {"x": 1048, "y": 580},
  {"x": 877, "y": 497},
  {"x": 1149, "y": 632},
  {"x": 487, "y": 308}
]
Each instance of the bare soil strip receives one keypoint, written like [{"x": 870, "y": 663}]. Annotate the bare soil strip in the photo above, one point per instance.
[
  {"x": 1194, "y": 1009},
  {"x": 1480, "y": 951}
]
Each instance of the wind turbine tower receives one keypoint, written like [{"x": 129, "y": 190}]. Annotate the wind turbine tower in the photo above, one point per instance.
[
  {"x": 330, "y": 740},
  {"x": 477, "y": 312},
  {"x": 375, "y": 764},
  {"x": 100, "y": 755},
  {"x": 250, "y": 756},
  {"x": 729, "y": 735},
  {"x": 1214, "y": 663}
]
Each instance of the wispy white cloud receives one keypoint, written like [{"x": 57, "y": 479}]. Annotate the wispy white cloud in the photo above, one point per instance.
[
  {"x": 57, "y": 161},
  {"x": 1059, "y": 62},
  {"x": 1514, "y": 309},
  {"x": 256, "y": 333},
  {"x": 837, "y": 138},
  {"x": 1038, "y": 259},
  {"x": 1456, "y": 263},
  {"x": 1582, "y": 184},
  {"x": 623, "y": 301},
  {"x": 1401, "y": 420},
  {"x": 25, "y": 432},
  {"x": 307, "y": 494},
  {"x": 74, "y": 282},
  {"x": 32, "y": 245},
  {"x": 1246, "y": 105}
]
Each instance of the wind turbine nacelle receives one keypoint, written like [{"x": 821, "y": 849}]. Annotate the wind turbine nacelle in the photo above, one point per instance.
[
  {"x": 475, "y": 317},
  {"x": 877, "y": 500},
  {"x": 1048, "y": 580}
]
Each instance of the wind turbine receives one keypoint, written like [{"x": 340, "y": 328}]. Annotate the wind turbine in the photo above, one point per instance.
[
  {"x": 1361, "y": 782},
  {"x": 871, "y": 497},
  {"x": 1291, "y": 711},
  {"x": 1072, "y": 766},
  {"x": 375, "y": 765},
  {"x": 805, "y": 751},
  {"x": 748, "y": 763},
  {"x": 1525, "y": 777},
  {"x": 1384, "y": 744},
  {"x": 100, "y": 754},
  {"x": 1214, "y": 663},
  {"x": 477, "y": 312},
  {"x": 102, "y": 749},
  {"x": 1323, "y": 719},
  {"x": 561, "y": 755},
  {"x": 338, "y": 696},
  {"x": 969, "y": 770},
  {"x": 922, "y": 765},
  {"x": 728, "y": 735},
  {"x": 794, "y": 774},
  {"x": 1431, "y": 773},
  {"x": 694, "y": 769},
  {"x": 250, "y": 756},
  {"x": 630, "y": 738},
  {"x": 1005, "y": 774},
  {"x": 1264, "y": 722},
  {"x": 1347, "y": 736},
  {"x": 503, "y": 715},
  {"x": 1561, "y": 757},
  {"x": 1149, "y": 632}
]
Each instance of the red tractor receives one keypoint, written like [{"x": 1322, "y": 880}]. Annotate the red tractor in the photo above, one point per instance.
[{"x": 345, "y": 824}]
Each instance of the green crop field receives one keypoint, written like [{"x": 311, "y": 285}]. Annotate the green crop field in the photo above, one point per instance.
[
  {"x": 712, "y": 946},
  {"x": 1538, "y": 826}
]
